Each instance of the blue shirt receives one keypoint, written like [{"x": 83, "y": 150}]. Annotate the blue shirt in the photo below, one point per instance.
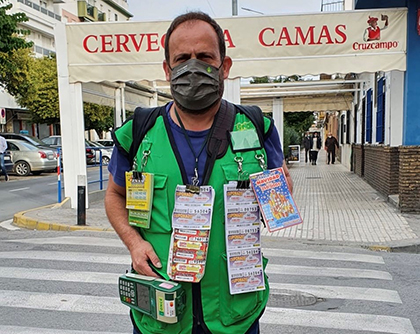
[{"x": 119, "y": 163}]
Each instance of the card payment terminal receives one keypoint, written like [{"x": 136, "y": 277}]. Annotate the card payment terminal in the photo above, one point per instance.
[{"x": 160, "y": 299}]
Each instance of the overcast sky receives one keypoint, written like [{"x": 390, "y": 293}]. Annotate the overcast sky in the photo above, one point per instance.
[{"x": 167, "y": 10}]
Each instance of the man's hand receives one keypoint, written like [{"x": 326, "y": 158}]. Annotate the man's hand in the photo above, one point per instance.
[
  {"x": 288, "y": 177},
  {"x": 141, "y": 255}
]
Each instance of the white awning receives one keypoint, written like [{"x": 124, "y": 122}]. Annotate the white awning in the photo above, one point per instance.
[{"x": 337, "y": 42}]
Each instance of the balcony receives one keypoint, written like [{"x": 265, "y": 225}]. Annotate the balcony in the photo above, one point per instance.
[
  {"x": 43, "y": 10},
  {"x": 87, "y": 12}
]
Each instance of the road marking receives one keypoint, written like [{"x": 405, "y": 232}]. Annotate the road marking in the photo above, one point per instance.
[
  {"x": 68, "y": 256},
  {"x": 19, "y": 189},
  {"x": 335, "y": 320},
  {"x": 327, "y": 272},
  {"x": 334, "y": 256},
  {"x": 7, "y": 224},
  {"x": 52, "y": 184},
  {"x": 62, "y": 302},
  {"x": 341, "y": 292},
  {"x": 88, "y": 241},
  {"x": 59, "y": 275},
  {"x": 33, "y": 330}
]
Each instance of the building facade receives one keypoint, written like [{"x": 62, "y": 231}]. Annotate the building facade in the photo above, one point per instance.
[{"x": 43, "y": 15}]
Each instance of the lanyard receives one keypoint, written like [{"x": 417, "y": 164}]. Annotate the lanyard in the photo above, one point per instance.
[{"x": 195, "y": 179}]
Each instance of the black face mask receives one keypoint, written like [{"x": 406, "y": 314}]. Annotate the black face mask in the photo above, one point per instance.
[{"x": 195, "y": 84}]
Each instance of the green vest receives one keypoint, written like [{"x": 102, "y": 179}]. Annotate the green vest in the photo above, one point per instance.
[{"x": 210, "y": 299}]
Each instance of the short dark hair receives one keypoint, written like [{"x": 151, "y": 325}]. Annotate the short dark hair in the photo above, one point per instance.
[{"x": 196, "y": 16}]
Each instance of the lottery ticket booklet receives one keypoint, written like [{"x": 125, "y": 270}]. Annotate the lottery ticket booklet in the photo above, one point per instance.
[
  {"x": 139, "y": 195},
  {"x": 275, "y": 200},
  {"x": 243, "y": 240},
  {"x": 191, "y": 223}
]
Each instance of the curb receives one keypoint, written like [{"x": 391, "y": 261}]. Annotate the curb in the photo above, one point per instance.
[{"x": 20, "y": 220}]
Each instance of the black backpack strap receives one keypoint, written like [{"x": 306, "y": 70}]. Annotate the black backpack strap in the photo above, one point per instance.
[
  {"x": 143, "y": 120},
  {"x": 219, "y": 136}
]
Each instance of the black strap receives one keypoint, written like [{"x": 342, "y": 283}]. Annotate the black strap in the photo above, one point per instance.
[
  {"x": 255, "y": 114},
  {"x": 218, "y": 142},
  {"x": 143, "y": 120}
]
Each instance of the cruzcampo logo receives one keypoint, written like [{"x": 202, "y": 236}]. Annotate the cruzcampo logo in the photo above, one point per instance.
[{"x": 208, "y": 69}]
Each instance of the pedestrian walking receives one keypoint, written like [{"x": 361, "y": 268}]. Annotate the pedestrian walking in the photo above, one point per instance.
[
  {"x": 330, "y": 144},
  {"x": 315, "y": 147},
  {"x": 191, "y": 142},
  {"x": 3, "y": 149},
  {"x": 307, "y": 145}
]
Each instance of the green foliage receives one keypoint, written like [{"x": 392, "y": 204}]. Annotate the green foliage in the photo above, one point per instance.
[
  {"x": 10, "y": 40},
  {"x": 300, "y": 121},
  {"x": 98, "y": 117},
  {"x": 39, "y": 93},
  {"x": 261, "y": 80}
]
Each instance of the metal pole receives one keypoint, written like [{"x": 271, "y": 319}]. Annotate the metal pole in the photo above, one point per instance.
[
  {"x": 234, "y": 7},
  {"x": 101, "y": 176},
  {"x": 81, "y": 199}
]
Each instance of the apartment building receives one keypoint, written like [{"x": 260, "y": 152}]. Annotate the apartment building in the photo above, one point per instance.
[{"x": 43, "y": 15}]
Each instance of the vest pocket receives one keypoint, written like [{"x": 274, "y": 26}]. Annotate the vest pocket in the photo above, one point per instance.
[
  {"x": 161, "y": 221},
  {"x": 231, "y": 170},
  {"x": 154, "y": 326},
  {"x": 234, "y": 308}
]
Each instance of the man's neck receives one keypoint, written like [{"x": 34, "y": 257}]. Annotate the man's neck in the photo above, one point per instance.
[{"x": 194, "y": 122}]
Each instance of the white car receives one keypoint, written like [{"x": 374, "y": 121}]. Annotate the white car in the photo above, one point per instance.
[{"x": 99, "y": 149}]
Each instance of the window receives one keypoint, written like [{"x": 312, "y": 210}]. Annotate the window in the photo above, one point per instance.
[
  {"x": 369, "y": 107},
  {"x": 380, "y": 112},
  {"x": 116, "y": 17}
]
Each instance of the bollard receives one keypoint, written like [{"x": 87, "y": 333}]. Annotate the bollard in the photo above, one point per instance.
[
  {"x": 59, "y": 175},
  {"x": 81, "y": 199}
]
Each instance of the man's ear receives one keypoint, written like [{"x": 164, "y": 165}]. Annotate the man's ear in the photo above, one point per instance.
[
  {"x": 227, "y": 64},
  {"x": 167, "y": 70}
]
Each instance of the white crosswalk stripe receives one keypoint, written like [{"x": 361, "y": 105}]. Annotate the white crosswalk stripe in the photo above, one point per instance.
[{"x": 50, "y": 271}]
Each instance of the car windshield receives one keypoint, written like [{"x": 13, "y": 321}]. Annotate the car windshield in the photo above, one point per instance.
[{"x": 93, "y": 144}]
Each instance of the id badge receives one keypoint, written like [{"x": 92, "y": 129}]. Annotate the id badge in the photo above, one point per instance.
[
  {"x": 139, "y": 197},
  {"x": 245, "y": 140}
]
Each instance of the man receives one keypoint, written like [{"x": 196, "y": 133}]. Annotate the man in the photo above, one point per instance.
[
  {"x": 330, "y": 144},
  {"x": 3, "y": 148},
  {"x": 174, "y": 150},
  {"x": 315, "y": 146},
  {"x": 373, "y": 32},
  {"x": 307, "y": 145}
]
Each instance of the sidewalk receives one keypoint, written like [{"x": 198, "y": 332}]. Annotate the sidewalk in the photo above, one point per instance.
[{"x": 336, "y": 205}]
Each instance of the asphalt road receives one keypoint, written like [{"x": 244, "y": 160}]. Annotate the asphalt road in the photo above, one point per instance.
[
  {"x": 66, "y": 283},
  {"x": 24, "y": 193}
]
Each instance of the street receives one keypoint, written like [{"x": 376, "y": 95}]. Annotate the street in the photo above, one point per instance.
[
  {"x": 66, "y": 283},
  {"x": 24, "y": 193}
]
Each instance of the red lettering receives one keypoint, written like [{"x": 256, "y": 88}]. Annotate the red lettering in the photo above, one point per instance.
[
  {"x": 152, "y": 40},
  {"x": 136, "y": 44},
  {"x": 228, "y": 39},
  {"x": 106, "y": 41},
  {"x": 341, "y": 33},
  {"x": 284, "y": 34},
  {"x": 122, "y": 43},
  {"x": 85, "y": 43},
  {"x": 162, "y": 41},
  {"x": 309, "y": 33},
  {"x": 325, "y": 33},
  {"x": 261, "y": 36}
]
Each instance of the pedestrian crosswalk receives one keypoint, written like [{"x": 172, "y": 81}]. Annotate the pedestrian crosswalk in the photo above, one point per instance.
[{"x": 68, "y": 285}]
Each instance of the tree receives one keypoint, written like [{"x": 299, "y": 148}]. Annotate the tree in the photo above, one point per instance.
[
  {"x": 98, "y": 117},
  {"x": 10, "y": 40},
  {"x": 39, "y": 93}
]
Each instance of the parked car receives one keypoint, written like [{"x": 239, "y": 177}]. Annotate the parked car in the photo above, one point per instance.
[
  {"x": 28, "y": 158},
  {"x": 55, "y": 141},
  {"x": 97, "y": 147},
  {"x": 108, "y": 143},
  {"x": 30, "y": 139}
]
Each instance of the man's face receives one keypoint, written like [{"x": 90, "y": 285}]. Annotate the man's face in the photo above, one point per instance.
[{"x": 196, "y": 39}]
